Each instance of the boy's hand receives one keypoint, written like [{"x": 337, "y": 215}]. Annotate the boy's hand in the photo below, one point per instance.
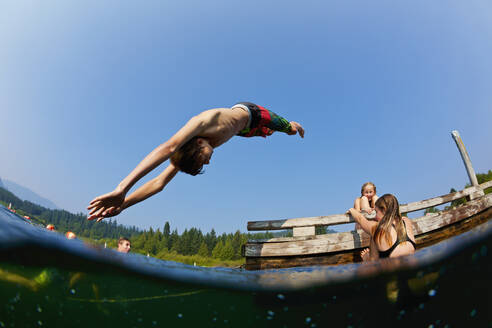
[
  {"x": 107, "y": 205},
  {"x": 296, "y": 127}
]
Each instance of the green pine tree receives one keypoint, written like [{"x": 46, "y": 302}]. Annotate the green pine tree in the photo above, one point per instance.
[
  {"x": 227, "y": 251},
  {"x": 218, "y": 250},
  {"x": 203, "y": 250}
]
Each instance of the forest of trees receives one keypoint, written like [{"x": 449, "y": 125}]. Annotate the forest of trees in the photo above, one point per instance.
[
  {"x": 66, "y": 221},
  {"x": 192, "y": 246}
]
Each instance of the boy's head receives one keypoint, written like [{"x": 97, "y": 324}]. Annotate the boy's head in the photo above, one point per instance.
[
  {"x": 368, "y": 189},
  {"x": 191, "y": 157},
  {"x": 124, "y": 245}
]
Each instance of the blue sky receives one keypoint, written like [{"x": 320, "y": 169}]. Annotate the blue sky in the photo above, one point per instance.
[{"x": 87, "y": 89}]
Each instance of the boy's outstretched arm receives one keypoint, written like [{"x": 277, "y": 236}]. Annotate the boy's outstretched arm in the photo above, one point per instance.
[
  {"x": 108, "y": 207},
  {"x": 162, "y": 153},
  {"x": 99, "y": 206}
]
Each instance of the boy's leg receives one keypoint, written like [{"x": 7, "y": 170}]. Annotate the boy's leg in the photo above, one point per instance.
[
  {"x": 277, "y": 122},
  {"x": 263, "y": 122}
]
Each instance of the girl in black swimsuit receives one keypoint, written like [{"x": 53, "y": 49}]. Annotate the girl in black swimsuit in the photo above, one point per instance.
[{"x": 389, "y": 221}]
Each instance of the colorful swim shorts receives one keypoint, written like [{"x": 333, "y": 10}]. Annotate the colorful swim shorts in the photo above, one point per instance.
[{"x": 262, "y": 122}]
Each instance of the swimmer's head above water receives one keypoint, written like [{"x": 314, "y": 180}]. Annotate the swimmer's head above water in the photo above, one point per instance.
[
  {"x": 124, "y": 245},
  {"x": 70, "y": 235}
]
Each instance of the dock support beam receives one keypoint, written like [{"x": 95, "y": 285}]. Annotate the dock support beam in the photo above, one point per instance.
[{"x": 468, "y": 165}]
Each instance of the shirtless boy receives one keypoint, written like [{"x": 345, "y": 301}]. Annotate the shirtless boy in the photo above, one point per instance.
[{"x": 189, "y": 149}]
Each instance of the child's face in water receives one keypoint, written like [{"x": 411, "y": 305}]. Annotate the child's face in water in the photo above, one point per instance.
[{"x": 368, "y": 192}]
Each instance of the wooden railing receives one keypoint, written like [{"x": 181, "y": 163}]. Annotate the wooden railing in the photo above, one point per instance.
[
  {"x": 319, "y": 221},
  {"x": 424, "y": 231}
]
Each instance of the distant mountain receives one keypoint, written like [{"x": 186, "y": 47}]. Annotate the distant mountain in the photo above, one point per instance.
[{"x": 27, "y": 194}]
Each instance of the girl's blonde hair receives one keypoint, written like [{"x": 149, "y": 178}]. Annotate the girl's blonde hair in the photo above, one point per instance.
[
  {"x": 388, "y": 204},
  {"x": 365, "y": 185}
]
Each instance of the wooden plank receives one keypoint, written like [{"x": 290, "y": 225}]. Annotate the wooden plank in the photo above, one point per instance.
[
  {"x": 262, "y": 263},
  {"x": 429, "y": 239},
  {"x": 280, "y": 239},
  {"x": 486, "y": 185},
  {"x": 304, "y": 231},
  {"x": 345, "y": 241},
  {"x": 335, "y": 219},
  {"x": 423, "y": 204},
  {"x": 351, "y": 256},
  {"x": 427, "y": 224},
  {"x": 301, "y": 222},
  {"x": 307, "y": 247},
  {"x": 330, "y": 239}
]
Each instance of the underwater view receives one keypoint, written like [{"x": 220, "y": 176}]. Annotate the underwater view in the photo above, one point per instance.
[{"x": 47, "y": 280}]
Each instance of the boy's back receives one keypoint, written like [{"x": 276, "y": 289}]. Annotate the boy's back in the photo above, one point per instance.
[{"x": 221, "y": 124}]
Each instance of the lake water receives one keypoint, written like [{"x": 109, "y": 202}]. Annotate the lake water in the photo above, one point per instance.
[{"x": 49, "y": 281}]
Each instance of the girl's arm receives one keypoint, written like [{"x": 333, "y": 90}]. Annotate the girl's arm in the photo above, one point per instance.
[{"x": 365, "y": 224}]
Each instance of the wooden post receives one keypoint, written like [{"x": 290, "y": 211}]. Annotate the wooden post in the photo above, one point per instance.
[{"x": 468, "y": 165}]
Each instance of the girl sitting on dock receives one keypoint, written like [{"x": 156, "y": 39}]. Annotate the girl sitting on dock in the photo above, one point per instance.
[
  {"x": 366, "y": 202},
  {"x": 392, "y": 234}
]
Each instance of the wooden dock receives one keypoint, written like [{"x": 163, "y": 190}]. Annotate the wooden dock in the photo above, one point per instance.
[{"x": 305, "y": 248}]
